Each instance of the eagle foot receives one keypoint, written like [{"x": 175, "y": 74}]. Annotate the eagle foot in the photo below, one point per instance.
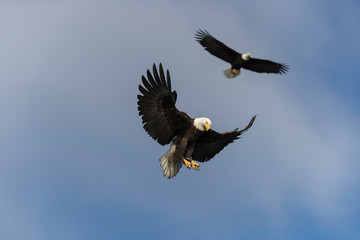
[
  {"x": 187, "y": 163},
  {"x": 234, "y": 70},
  {"x": 195, "y": 165}
]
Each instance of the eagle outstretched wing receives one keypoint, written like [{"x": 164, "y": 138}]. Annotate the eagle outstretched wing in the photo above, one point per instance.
[
  {"x": 156, "y": 105},
  {"x": 265, "y": 66},
  {"x": 215, "y": 47},
  {"x": 211, "y": 142}
]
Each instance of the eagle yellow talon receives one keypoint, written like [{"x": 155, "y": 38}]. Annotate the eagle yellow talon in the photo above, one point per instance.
[
  {"x": 187, "y": 163},
  {"x": 234, "y": 70},
  {"x": 195, "y": 165}
]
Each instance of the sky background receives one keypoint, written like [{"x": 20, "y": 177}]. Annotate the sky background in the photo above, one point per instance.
[{"x": 75, "y": 162}]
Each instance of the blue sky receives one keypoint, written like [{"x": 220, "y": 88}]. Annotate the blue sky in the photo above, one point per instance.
[{"x": 75, "y": 162}]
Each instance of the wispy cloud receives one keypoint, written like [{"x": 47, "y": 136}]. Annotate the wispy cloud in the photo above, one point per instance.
[{"x": 71, "y": 134}]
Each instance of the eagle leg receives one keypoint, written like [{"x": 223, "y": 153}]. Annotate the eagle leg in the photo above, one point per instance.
[
  {"x": 235, "y": 70},
  {"x": 187, "y": 163},
  {"x": 195, "y": 165}
]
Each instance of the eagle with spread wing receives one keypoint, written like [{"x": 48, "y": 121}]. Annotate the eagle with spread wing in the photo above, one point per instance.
[
  {"x": 237, "y": 60},
  {"x": 191, "y": 139}
]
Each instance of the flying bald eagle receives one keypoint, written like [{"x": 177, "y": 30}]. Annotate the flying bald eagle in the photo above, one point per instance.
[
  {"x": 237, "y": 60},
  {"x": 190, "y": 138}
]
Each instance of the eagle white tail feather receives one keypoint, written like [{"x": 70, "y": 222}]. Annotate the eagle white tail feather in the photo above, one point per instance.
[
  {"x": 229, "y": 74},
  {"x": 170, "y": 167}
]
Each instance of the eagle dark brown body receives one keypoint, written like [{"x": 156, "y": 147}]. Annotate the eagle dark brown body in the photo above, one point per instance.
[
  {"x": 190, "y": 138},
  {"x": 237, "y": 60}
]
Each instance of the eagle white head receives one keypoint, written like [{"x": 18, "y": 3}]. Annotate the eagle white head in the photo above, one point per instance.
[
  {"x": 245, "y": 56},
  {"x": 203, "y": 124}
]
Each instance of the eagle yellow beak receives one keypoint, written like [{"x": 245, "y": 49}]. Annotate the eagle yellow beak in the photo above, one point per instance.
[{"x": 207, "y": 126}]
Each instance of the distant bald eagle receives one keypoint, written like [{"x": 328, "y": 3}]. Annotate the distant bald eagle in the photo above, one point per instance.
[
  {"x": 237, "y": 60},
  {"x": 190, "y": 138}
]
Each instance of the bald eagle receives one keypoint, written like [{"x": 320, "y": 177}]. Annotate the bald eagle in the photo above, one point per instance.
[
  {"x": 237, "y": 60},
  {"x": 190, "y": 138}
]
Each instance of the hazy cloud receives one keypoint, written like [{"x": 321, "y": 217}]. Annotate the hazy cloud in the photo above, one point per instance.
[{"x": 73, "y": 146}]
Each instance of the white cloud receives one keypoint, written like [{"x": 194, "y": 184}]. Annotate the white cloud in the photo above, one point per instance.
[{"x": 78, "y": 71}]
